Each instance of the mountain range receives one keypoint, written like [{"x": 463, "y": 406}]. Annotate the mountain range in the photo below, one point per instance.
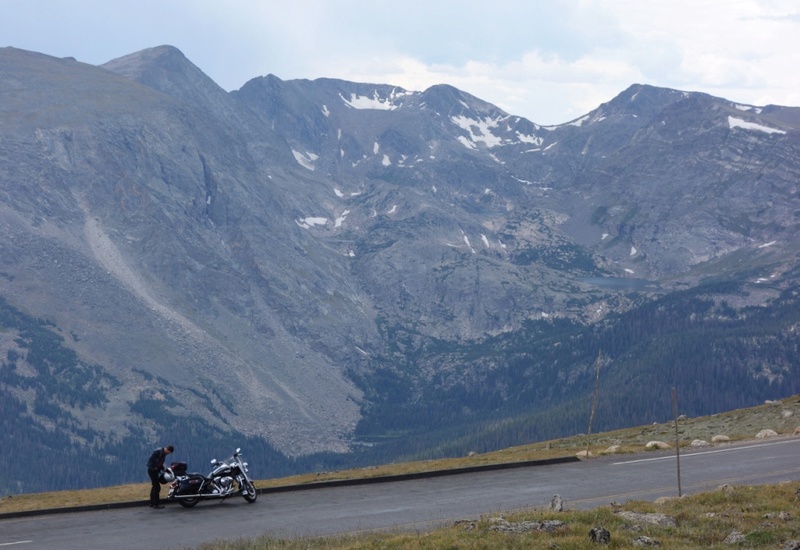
[{"x": 335, "y": 272}]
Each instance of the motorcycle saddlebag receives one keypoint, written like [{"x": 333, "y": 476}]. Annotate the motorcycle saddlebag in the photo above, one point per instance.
[{"x": 190, "y": 485}]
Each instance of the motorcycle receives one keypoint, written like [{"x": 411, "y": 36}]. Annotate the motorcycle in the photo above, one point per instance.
[{"x": 227, "y": 478}]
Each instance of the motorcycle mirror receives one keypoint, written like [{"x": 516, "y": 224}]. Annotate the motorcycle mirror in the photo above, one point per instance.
[
  {"x": 213, "y": 461},
  {"x": 237, "y": 450}
]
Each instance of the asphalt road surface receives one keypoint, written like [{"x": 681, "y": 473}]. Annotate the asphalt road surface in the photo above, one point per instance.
[{"x": 416, "y": 504}]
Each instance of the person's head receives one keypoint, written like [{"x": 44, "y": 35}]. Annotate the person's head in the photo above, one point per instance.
[{"x": 169, "y": 449}]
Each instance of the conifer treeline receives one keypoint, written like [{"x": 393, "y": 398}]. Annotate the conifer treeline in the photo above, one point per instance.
[
  {"x": 536, "y": 384},
  {"x": 530, "y": 385}
]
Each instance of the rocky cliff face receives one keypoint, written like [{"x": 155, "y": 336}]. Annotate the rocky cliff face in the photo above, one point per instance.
[{"x": 258, "y": 251}]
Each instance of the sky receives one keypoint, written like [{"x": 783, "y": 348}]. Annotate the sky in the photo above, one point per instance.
[{"x": 550, "y": 61}]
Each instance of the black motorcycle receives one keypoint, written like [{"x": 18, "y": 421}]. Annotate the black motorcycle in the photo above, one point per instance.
[{"x": 227, "y": 478}]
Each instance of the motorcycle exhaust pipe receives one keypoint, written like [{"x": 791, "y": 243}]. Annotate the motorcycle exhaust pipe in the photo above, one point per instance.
[{"x": 204, "y": 495}]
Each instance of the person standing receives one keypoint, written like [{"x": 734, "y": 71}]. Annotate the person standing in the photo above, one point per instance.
[{"x": 155, "y": 464}]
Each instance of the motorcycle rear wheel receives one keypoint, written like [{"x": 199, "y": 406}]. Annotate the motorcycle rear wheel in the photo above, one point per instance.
[{"x": 188, "y": 502}]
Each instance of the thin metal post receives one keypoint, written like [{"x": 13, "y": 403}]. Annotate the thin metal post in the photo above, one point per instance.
[
  {"x": 677, "y": 437},
  {"x": 594, "y": 401}
]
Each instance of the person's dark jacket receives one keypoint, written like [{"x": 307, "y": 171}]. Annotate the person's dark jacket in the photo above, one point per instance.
[{"x": 156, "y": 460}]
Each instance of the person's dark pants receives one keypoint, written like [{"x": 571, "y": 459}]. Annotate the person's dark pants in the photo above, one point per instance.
[{"x": 155, "y": 490}]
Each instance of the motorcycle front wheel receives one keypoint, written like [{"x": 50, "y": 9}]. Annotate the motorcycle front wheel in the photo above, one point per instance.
[
  {"x": 249, "y": 492},
  {"x": 188, "y": 502}
]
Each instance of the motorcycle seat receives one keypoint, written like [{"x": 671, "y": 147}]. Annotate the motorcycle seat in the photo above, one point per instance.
[{"x": 197, "y": 475}]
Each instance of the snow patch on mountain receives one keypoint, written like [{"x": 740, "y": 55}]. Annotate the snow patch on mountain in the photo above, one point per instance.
[
  {"x": 479, "y": 130},
  {"x": 376, "y": 101},
  {"x": 486, "y": 131},
  {"x": 340, "y": 220},
  {"x": 734, "y": 122},
  {"x": 365, "y": 102},
  {"x": 306, "y": 160},
  {"x": 311, "y": 221},
  {"x": 339, "y": 193},
  {"x": 524, "y": 138},
  {"x": 466, "y": 241},
  {"x": 579, "y": 122}
]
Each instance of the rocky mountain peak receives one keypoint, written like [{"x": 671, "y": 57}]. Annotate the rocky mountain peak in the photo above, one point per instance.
[
  {"x": 166, "y": 69},
  {"x": 448, "y": 101}
]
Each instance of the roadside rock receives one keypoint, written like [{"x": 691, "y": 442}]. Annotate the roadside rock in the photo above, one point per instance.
[
  {"x": 735, "y": 537},
  {"x": 664, "y": 500},
  {"x": 783, "y": 516},
  {"x": 720, "y": 439},
  {"x": 600, "y": 535},
  {"x": 652, "y": 445},
  {"x": 653, "y": 519},
  {"x": 504, "y": 526},
  {"x": 763, "y": 434},
  {"x": 646, "y": 541}
]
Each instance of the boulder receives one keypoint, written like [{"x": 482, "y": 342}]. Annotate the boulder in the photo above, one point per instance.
[
  {"x": 763, "y": 434},
  {"x": 653, "y": 519},
  {"x": 720, "y": 439},
  {"x": 644, "y": 541},
  {"x": 700, "y": 443},
  {"x": 504, "y": 526},
  {"x": 600, "y": 535},
  {"x": 727, "y": 489},
  {"x": 734, "y": 537},
  {"x": 657, "y": 445}
]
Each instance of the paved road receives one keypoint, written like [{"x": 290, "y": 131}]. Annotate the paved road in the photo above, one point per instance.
[{"x": 416, "y": 504}]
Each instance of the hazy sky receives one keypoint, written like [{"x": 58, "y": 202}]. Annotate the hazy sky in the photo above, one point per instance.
[{"x": 547, "y": 60}]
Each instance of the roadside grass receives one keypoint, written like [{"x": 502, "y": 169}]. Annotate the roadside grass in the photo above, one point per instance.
[
  {"x": 742, "y": 424},
  {"x": 764, "y": 517}
]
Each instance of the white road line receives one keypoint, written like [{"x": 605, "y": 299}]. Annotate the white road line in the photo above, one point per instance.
[
  {"x": 689, "y": 455},
  {"x": 15, "y": 542}
]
